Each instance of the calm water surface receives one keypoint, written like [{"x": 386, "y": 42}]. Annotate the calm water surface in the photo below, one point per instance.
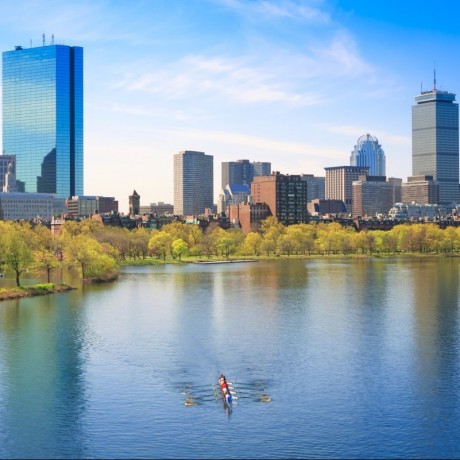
[{"x": 359, "y": 357}]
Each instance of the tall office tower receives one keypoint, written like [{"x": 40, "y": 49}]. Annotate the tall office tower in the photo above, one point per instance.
[
  {"x": 242, "y": 172},
  {"x": 339, "y": 181},
  {"x": 435, "y": 141},
  {"x": 315, "y": 187},
  {"x": 261, "y": 168},
  {"x": 368, "y": 152},
  {"x": 43, "y": 118},
  {"x": 193, "y": 183}
]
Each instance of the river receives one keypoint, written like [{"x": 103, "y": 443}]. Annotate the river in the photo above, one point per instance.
[{"x": 330, "y": 358}]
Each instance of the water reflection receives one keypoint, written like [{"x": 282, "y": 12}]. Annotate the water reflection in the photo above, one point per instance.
[
  {"x": 42, "y": 370},
  {"x": 360, "y": 357}
]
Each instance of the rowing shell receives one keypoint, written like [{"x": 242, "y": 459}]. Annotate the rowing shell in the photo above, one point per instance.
[{"x": 227, "y": 397}]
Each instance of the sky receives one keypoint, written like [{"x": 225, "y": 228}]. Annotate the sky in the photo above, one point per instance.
[{"x": 292, "y": 82}]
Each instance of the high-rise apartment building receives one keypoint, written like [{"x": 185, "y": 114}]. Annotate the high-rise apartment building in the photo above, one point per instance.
[
  {"x": 435, "y": 144},
  {"x": 193, "y": 183},
  {"x": 43, "y": 118},
  {"x": 285, "y": 195},
  {"x": 242, "y": 172},
  {"x": 368, "y": 152}
]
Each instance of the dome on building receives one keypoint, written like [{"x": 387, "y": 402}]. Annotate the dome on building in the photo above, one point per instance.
[{"x": 366, "y": 138}]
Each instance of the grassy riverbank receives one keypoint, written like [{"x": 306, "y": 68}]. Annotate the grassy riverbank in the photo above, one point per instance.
[
  {"x": 30, "y": 291},
  {"x": 195, "y": 259}
]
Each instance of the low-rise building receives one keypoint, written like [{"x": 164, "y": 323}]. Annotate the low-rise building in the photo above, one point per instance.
[
  {"x": 87, "y": 205},
  {"x": 319, "y": 207},
  {"x": 417, "y": 211},
  {"x": 29, "y": 206},
  {"x": 420, "y": 189},
  {"x": 248, "y": 216}
]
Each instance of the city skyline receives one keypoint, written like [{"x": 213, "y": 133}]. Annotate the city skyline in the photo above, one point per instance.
[{"x": 294, "y": 83}]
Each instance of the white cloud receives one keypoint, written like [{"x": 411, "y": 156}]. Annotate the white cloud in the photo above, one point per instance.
[
  {"x": 384, "y": 138},
  {"x": 256, "y": 142},
  {"x": 217, "y": 76},
  {"x": 268, "y": 9}
]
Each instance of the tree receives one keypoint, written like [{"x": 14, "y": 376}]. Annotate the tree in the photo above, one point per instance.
[
  {"x": 268, "y": 246},
  {"x": 16, "y": 249},
  {"x": 160, "y": 244},
  {"x": 138, "y": 242},
  {"x": 286, "y": 243},
  {"x": 252, "y": 243},
  {"x": 272, "y": 229},
  {"x": 45, "y": 260},
  {"x": 86, "y": 253},
  {"x": 452, "y": 239},
  {"x": 226, "y": 245},
  {"x": 179, "y": 247}
]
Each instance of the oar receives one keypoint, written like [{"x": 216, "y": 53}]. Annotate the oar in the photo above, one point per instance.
[
  {"x": 202, "y": 396},
  {"x": 201, "y": 391},
  {"x": 247, "y": 386},
  {"x": 190, "y": 385}
]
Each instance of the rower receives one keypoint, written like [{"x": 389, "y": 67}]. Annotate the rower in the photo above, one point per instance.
[
  {"x": 225, "y": 389},
  {"x": 223, "y": 381}
]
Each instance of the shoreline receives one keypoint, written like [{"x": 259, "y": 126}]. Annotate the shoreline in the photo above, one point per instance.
[{"x": 33, "y": 291}]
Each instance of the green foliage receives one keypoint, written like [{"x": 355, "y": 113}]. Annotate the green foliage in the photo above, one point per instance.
[
  {"x": 94, "y": 250},
  {"x": 160, "y": 244},
  {"x": 16, "y": 242},
  {"x": 179, "y": 247}
]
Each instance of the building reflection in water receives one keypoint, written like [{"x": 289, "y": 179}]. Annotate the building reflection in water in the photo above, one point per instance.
[{"x": 42, "y": 374}]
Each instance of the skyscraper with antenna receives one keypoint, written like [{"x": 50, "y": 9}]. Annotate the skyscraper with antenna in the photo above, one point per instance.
[
  {"x": 43, "y": 117},
  {"x": 435, "y": 141}
]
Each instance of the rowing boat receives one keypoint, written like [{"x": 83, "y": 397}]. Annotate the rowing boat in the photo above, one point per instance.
[{"x": 226, "y": 396}]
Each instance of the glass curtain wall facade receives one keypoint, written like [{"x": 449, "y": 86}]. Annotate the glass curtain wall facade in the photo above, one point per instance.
[
  {"x": 435, "y": 143},
  {"x": 368, "y": 152},
  {"x": 193, "y": 183},
  {"x": 43, "y": 118},
  {"x": 242, "y": 172}
]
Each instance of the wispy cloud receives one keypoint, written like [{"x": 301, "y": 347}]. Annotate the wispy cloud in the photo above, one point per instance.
[
  {"x": 268, "y": 9},
  {"x": 300, "y": 78},
  {"x": 217, "y": 76},
  {"x": 147, "y": 111},
  {"x": 341, "y": 57},
  {"x": 255, "y": 142}
]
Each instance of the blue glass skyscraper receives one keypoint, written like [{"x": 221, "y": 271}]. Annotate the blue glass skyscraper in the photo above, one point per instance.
[{"x": 43, "y": 118}]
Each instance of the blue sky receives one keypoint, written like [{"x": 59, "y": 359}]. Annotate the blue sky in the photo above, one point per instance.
[{"x": 293, "y": 82}]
